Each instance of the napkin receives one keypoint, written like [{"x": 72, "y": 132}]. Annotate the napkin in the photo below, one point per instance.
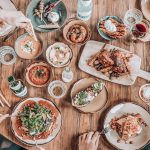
[
  {"x": 7, "y": 4},
  {"x": 10, "y": 15}
]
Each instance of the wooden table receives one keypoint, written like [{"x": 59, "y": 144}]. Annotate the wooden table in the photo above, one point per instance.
[{"x": 74, "y": 122}]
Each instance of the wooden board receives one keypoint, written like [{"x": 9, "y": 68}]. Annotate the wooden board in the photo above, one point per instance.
[{"x": 74, "y": 122}]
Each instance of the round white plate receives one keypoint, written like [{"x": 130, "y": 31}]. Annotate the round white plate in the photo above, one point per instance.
[
  {"x": 48, "y": 52},
  {"x": 139, "y": 141},
  {"x": 39, "y": 141}
]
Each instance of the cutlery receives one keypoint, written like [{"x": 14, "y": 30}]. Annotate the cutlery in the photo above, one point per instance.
[
  {"x": 4, "y": 99},
  {"x": 107, "y": 129}
]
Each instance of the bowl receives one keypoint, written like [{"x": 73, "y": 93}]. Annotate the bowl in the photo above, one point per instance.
[
  {"x": 26, "y": 54},
  {"x": 34, "y": 64},
  {"x": 74, "y": 22},
  {"x": 54, "y": 84}
]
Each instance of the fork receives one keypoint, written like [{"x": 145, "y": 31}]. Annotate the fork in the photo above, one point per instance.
[{"x": 105, "y": 130}]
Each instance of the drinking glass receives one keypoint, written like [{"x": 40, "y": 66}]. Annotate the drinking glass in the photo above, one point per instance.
[
  {"x": 132, "y": 17},
  {"x": 141, "y": 29}
]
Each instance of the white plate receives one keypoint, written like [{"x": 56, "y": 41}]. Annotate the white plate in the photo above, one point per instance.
[
  {"x": 40, "y": 141},
  {"x": 48, "y": 52},
  {"x": 138, "y": 142},
  {"x": 92, "y": 47}
]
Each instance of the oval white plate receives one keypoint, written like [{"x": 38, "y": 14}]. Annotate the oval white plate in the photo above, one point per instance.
[
  {"x": 138, "y": 142},
  {"x": 40, "y": 141}
]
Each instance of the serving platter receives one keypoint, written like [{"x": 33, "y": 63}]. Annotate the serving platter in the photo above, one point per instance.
[
  {"x": 92, "y": 47},
  {"x": 41, "y": 141},
  {"x": 117, "y": 111},
  {"x": 97, "y": 104}
]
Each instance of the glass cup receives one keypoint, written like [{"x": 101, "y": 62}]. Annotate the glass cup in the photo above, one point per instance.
[
  {"x": 132, "y": 17},
  {"x": 141, "y": 29}
]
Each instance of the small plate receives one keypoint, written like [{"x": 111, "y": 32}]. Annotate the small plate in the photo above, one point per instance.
[
  {"x": 141, "y": 96},
  {"x": 48, "y": 51},
  {"x": 61, "y": 8},
  {"x": 25, "y": 55},
  {"x": 4, "y": 50},
  {"x": 42, "y": 63},
  {"x": 40, "y": 141},
  {"x": 97, "y": 104},
  {"x": 123, "y": 108},
  {"x": 104, "y": 35},
  {"x": 57, "y": 83}
]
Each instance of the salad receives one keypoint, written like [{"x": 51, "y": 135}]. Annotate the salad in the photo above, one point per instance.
[{"x": 35, "y": 119}]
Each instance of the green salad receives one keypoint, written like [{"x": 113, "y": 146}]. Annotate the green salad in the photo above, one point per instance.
[{"x": 36, "y": 119}]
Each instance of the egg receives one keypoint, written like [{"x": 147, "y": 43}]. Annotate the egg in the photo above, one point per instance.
[{"x": 53, "y": 17}]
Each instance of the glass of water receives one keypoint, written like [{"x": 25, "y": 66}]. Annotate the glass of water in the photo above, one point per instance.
[{"x": 132, "y": 17}]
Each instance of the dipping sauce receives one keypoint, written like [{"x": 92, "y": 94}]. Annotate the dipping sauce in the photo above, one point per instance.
[
  {"x": 27, "y": 48},
  {"x": 57, "y": 91},
  {"x": 8, "y": 57}
]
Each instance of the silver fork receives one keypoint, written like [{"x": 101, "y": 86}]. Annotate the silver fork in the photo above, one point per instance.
[{"x": 106, "y": 130}]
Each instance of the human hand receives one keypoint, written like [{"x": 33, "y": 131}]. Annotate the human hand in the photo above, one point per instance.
[{"x": 89, "y": 141}]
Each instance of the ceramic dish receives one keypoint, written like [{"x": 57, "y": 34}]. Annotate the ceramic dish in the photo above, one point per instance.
[
  {"x": 7, "y": 55},
  {"x": 60, "y": 9},
  {"x": 97, "y": 104},
  {"x": 102, "y": 34},
  {"x": 92, "y": 47},
  {"x": 144, "y": 93},
  {"x": 29, "y": 140},
  {"x": 85, "y": 28},
  {"x": 38, "y": 74},
  {"x": 27, "y": 48},
  {"x": 57, "y": 89},
  {"x": 59, "y": 54},
  {"x": 140, "y": 140}
]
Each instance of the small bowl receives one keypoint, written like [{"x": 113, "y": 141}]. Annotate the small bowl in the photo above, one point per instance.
[
  {"x": 42, "y": 63},
  {"x": 58, "y": 65},
  {"x": 101, "y": 33},
  {"x": 70, "y": 24},
  {"x": 140, "y": 94},
  {"x": 57, "y": 83}
]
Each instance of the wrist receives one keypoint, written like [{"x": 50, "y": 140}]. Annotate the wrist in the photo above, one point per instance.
[{"x": 1, "y": 14}]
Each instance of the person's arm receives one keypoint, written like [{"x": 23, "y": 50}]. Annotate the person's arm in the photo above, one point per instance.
[{"x": 14, "y": 18}]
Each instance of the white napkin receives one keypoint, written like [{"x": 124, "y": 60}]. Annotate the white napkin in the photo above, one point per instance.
[{"x": 7, "y": 4}]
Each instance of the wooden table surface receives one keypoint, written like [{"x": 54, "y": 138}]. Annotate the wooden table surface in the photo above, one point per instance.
[{"x": 74, "y": 122}]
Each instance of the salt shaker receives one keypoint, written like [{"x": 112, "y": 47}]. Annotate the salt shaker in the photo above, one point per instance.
[{"x": 67, "y": 75}]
